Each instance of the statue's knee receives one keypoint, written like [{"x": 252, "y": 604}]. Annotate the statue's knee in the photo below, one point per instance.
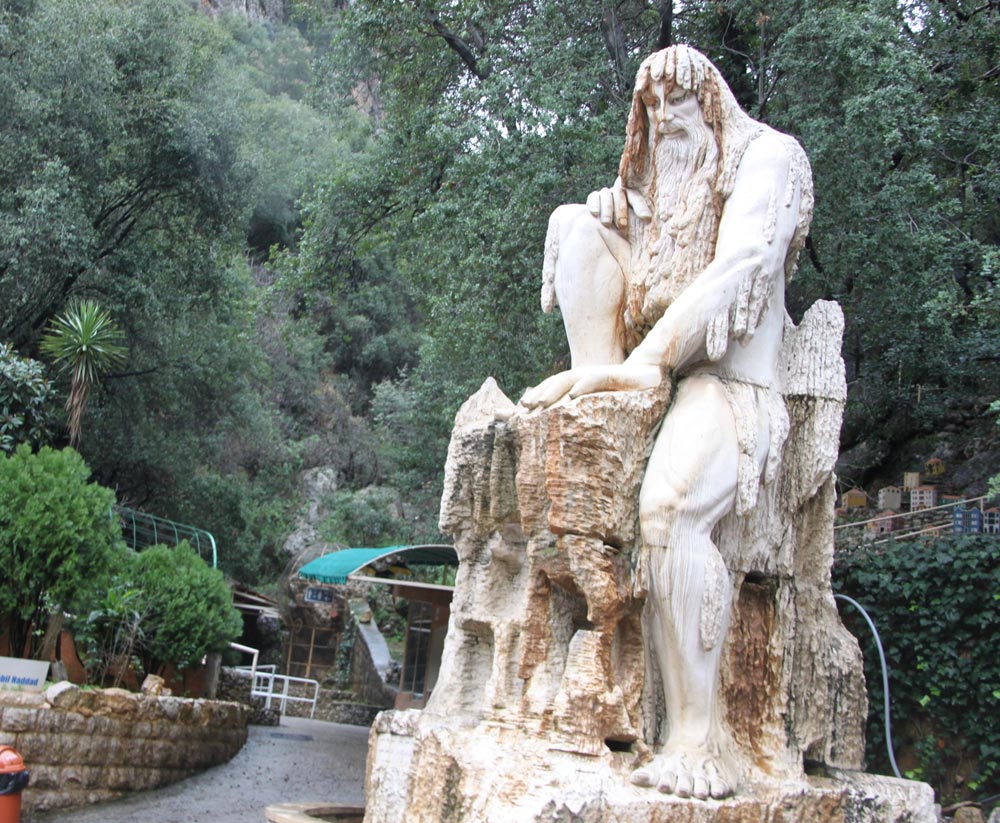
[{"x": 660, "y": 507}]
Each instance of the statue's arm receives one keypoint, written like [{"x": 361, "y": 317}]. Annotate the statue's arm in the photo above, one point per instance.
[
  {"x": 726, "y": 301},
  {"x": 729, "y": 298}
]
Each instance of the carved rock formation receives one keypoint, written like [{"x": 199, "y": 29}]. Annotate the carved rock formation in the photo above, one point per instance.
[{"x": 542, "y": 708}]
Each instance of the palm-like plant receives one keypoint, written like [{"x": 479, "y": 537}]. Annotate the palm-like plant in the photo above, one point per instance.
[{"x": 85, "y": 341}]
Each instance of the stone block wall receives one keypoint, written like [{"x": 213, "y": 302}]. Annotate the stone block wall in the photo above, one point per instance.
[{"x": 85, "y": 746}]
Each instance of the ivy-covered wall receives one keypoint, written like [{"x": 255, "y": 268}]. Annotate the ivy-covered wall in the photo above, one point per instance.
[{"x": 936, "y": 605}]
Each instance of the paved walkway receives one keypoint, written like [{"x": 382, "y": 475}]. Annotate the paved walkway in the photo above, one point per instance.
[{"x": 299, "y": 761}]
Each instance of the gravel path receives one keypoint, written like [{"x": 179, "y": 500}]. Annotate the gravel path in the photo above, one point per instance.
[{"x": 299, "y": 761}]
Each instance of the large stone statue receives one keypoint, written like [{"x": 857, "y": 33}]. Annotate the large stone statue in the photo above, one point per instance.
[
  {"x": 680, "y": 269},
  {"x": 642, "y": 628}
]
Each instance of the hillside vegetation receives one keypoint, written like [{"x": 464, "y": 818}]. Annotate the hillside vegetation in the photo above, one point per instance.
[{"x": 320, "y": 234}]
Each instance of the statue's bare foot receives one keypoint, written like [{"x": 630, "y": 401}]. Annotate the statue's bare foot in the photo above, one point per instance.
[{"x": 686, "y": 773}]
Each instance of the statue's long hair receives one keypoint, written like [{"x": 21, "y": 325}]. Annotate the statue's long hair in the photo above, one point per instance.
[{"x": 691, "y": 70}]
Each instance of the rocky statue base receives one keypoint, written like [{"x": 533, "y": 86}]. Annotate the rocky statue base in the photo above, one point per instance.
[
  {"x": 428, "y": 771},
  {"x": 542, "y": 707}
]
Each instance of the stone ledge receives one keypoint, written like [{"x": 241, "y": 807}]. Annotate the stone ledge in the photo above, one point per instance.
[{"x": 84, "y": 746}]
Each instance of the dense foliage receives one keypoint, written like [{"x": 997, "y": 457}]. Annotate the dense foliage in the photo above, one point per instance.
[
  {"x": 320, "y": 235},
  {"x": 27, "y": 401},
  {"x": 57, "y": 535},
  {"x": 146, "y": 151},
  {"x": 937, "y": 608}
]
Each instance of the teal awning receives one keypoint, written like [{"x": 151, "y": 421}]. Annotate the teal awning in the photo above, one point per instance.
[{"x": 336, "y": 566}]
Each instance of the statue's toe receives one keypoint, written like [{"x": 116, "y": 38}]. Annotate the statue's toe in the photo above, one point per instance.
[
  {"x": 642, "y": 776},
  {"x": 668, "y": 782},
  {"x": 685, "y": 786},
  {"x": 719, "y": 788}
]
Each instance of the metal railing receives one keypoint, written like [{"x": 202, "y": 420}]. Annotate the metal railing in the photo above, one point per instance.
[
  {"x": 263, "y": 680},
  {"x": 264, "y": 686},
  {"x": 142, "y": 530}
]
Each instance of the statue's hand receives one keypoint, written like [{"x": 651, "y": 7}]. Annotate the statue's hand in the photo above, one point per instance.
[
  {"x": 591, "y": 379},
  {"x": 610, "y": 205}
]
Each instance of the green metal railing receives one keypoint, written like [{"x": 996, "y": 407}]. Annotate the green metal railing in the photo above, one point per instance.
[{"x": 142, "y": 530}]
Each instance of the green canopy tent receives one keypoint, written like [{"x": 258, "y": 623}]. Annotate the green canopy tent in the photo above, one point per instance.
[{"x": 336, "y": 567}]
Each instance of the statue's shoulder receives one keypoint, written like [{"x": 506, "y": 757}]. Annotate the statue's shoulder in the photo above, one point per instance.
[
  {"x": 776, "y": 149},
  {"x": 773, "y": 143}
]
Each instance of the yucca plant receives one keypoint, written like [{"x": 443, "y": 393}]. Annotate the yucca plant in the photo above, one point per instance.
[{"x": 85, "y": 341}]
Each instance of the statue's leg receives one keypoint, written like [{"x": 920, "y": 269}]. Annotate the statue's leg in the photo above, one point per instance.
[
  {"x": 584, "y": 265},
  {"x": 690, "y": 484}
]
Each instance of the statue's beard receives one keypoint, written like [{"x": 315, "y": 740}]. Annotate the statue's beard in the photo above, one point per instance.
[
  {"x": 676, "y": 161},
  {"x": 679, "y": 242}
]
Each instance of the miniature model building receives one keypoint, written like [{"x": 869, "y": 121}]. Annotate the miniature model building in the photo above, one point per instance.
[
  {"x": 923, "y": 497},
  {"x": 890, "y": 497},
  {"x": 855, "y": 499}
]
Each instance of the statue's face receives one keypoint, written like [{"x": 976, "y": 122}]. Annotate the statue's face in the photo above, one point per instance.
[{"x": 674, "y": 113}]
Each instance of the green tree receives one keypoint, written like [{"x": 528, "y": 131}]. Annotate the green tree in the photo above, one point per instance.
[
  {"x": 84, "y": 341},
  {"x": 56, "y": 535},
  {"x": 112, "y": 133},
  {"x": 485, "y": 117}
]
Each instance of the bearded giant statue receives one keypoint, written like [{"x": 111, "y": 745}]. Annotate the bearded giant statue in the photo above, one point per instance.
[{"x": 642, "y": 626}]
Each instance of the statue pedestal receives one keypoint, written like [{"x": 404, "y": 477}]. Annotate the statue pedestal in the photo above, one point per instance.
[
  {"x": 421, "y": 772},
  {"x": 542, "y": 707}
]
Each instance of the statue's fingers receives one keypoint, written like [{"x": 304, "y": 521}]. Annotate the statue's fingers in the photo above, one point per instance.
[
  {"x": 549, "y": 390},
  {"x": 620, "y": 205},
  {"x": 594, "y": 203},
  {"x": 607, "y": 207},
  {"x": 639, "y": 205},
  {"x": 589, "y": 385},
  {"x": 760, "y": 298}
]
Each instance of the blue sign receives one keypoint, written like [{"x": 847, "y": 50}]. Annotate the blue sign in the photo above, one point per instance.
[{"x": 314, "y": 595}]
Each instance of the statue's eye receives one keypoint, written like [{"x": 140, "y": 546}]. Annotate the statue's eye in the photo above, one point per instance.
[{"x": 678, "y": 97}]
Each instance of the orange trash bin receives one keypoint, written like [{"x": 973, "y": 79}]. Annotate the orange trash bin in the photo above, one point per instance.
[{"x": 13, "y": 779}]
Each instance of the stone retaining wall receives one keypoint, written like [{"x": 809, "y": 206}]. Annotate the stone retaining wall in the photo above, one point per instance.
[
  {"x": 371, "y": 663},
  {"x": 337, "y": 706},
  {"x": 84, "y": 746}
]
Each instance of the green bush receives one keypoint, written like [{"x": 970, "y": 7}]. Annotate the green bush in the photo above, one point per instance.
[
  {"x": 163, "y": 607},
  {"x": 937, "y": 608},
  {"x": 27, "y": 401},
  {"x": 109, "y": 638},
  {"x": 56, "y": 535},
  {"x": 186, "y": 605}
]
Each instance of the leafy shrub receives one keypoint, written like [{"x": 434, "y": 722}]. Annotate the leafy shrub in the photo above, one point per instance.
[
  {"x": 27, "y": 401},
  {"x": 112, "y": 633},
  {"x": 164, "y": 607},
  {"x": 937, "y": 608},
  {"x": 56, "y": 535},
  {"x": 186, "y": 605}
]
